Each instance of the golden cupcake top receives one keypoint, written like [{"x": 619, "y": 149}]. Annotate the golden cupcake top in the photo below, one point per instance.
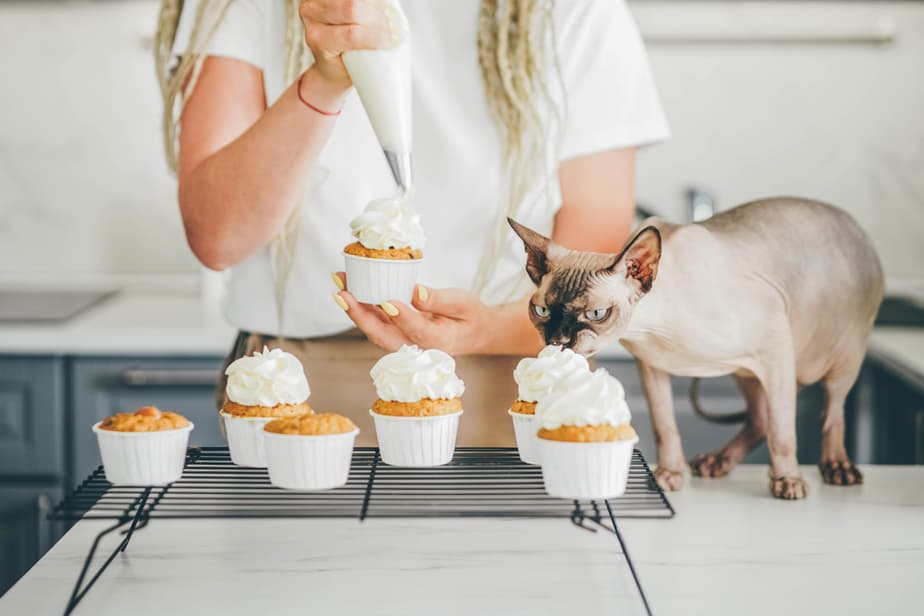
[
  {"x": 405, "y": 253},
  {"x": 523, "y": 407},
  {"x": 426, "y": 407},
  {"x": 312, "y": 425},
  {"x": 146, "y": 419},
  {"x": 589, "y": 434},
  {"x": 280, "y": 410}
]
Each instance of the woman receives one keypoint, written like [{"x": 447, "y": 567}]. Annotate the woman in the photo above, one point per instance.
[{"x": 528, "y": 108}]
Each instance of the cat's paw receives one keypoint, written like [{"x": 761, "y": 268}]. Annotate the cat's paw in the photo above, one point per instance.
[
  {"x": 668, "y": 479},
  {"x": 788, "y": 487},
  {"x": 712, "y": 464},
  {"x": 840, "y": 472}
]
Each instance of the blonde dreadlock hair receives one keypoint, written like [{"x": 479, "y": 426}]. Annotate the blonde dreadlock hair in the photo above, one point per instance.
[{"x": 516, "y": 47}]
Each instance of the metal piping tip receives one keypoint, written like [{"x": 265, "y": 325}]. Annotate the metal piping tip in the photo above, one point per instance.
[{"x": 401, "y": 170}]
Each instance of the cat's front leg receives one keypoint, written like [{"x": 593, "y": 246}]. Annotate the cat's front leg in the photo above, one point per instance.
[{"x": 671, "y": 462}]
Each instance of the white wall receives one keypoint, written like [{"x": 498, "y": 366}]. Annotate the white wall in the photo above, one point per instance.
[
  {"x": 84, "y": 188},
  {"x": 83, "y": 183},
  {"x": 839, "y": 122}
]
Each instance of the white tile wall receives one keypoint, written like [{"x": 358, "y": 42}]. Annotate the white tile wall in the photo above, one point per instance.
[{"x": 84, "y": 188}]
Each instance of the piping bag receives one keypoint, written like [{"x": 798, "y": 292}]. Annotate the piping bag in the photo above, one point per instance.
[{"x": 382, "y": 78}]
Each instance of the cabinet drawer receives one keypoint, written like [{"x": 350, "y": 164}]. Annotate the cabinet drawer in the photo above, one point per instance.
[
  {"x": 25, "y": 532},
  {"x": 31, "y": 416},
  {"x": 102, "y": 387}
]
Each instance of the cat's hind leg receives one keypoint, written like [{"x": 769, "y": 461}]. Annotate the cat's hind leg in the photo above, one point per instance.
[
  {"x": 836, "y": 468},
  {"x": 721, "y": 461}
]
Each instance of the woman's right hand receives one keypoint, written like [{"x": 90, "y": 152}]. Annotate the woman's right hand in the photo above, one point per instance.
[{"x": 335, "y": 26}]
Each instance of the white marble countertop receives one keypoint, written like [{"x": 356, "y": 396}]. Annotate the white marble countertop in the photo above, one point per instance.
[
  {"x": 169, "y": 316},
  {"x": 149, "y": 316},
  {"x": 731, "y": 549}
]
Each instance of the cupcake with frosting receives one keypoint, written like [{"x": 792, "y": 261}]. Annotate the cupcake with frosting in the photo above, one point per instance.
[
  {"x": 535, "y": 376},
  {"x": 144, "y": 448},
  {"x": 585, "y": 440},
  {"x": 383, "y": 262},
  {"x": 261, "y": 387},
  {"x": 418, "y": 407},
  {"x": 309, "y": 452}
]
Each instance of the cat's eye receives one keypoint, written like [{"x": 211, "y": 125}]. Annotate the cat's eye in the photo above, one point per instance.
[
  {"x": 597, "y": 315},
  {"x": 541, "y": 311}
]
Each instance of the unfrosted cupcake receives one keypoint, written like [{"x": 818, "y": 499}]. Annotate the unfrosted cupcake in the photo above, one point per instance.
[
  {"x": 144, "y": 448},
  {"x": 585, "y": 440},
  {"x": 417, "y": 413},
  {"x": 309, "y": 452},
  {"x": 383, "y": 263},
  {"x": 261, "y": 387},
  {"x": 534, "y": 377}
]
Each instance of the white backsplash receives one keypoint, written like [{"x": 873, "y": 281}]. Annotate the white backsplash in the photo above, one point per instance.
[
  {"x": 83, "y": 182},
  {"x": 84, "y": 187}
]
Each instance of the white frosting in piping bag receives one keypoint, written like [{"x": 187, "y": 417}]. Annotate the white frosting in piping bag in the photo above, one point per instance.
[
  {"x": 267, "y": 379},
  {"x": 584, "y": 399},
  {"x": 386, "y": 223},
  {"x": 535, "y": 376},
  {"x": 410, "y": 375}
]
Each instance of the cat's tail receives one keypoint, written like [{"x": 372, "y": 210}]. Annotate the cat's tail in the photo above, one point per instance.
[{"x": 721, "y": 418}]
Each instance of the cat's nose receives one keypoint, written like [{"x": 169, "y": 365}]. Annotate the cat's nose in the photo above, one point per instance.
[{"x": 560, "y": 340}]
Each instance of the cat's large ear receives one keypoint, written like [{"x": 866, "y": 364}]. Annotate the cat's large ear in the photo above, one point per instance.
[
  {"x": 537, "y": 251},
  {"x": 639, "y": 259}
]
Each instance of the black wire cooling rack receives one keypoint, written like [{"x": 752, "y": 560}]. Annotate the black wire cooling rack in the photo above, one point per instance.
[{"x": 479, "y": 482}]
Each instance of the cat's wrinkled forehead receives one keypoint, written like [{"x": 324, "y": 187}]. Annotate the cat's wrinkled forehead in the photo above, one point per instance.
[{"x": 573, "y": 276}]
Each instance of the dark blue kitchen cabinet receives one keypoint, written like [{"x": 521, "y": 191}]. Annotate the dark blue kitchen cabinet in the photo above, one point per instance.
[
  {"x": 31, "y": 416},
  {"x": 103, "y": 386},
  {"x": 32, "y": 444},
  {"x": 25, "y": 532}
]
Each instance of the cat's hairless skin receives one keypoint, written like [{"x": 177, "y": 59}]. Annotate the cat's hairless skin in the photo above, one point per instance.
[{"x": 780, "y": 293}]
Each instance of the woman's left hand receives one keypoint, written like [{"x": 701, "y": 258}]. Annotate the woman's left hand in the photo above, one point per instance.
[{"x": 452, "y": 320}]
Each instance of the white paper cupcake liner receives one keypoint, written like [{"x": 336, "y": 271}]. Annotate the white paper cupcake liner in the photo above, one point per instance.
[
  {"x": 585, "y": 470},
  {"x": 143, "y": 458},
  {"x": 245, "y": 439},
  {"x": 373, "y": 281},
  {"x": 416, "y": 441},
  {"x": 309, "y": 462},
  {"x": 525, "y": 428}
]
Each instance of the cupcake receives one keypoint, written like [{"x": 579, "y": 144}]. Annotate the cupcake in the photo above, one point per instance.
[
  {"x": 534, "y": 377},
  {"x": 417, "y": 413},
  {"x": 144, "y": 448},
  {"x": 261, "y": 387},
  {"x": 309, "y": 452},
  {"x": 585, "y": 440},
  {"x": 382, "y": 264}
]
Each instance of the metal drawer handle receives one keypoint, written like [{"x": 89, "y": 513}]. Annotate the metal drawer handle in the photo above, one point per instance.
[
  {"x": 167, "y": 378},
  {"x": 881, "y": 32}
]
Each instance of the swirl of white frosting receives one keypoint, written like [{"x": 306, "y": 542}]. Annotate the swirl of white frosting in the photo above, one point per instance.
[
  {"x": 410, "y": 375},
  {"x": 536, "y": 375},
  {"x": 584, "y": 399},
  {"x": 267, "y": 379},
  {"x": 386, "y": 223}
]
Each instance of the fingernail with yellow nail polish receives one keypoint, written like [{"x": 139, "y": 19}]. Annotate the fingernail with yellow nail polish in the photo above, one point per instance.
[
  {"x": 423, "y": 293},
  {"x": 337, "y": 282},
  {"x": 341, "y": 302},
  {"x": 389, "y": 309}
]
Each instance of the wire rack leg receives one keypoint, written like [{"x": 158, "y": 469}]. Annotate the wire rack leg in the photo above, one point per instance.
[
  {"x": 625, "y": 552},
  {"x": 79, "y": 593}
]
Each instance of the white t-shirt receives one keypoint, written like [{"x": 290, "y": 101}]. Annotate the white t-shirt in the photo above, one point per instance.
[{"x": 612, "y": 103}]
